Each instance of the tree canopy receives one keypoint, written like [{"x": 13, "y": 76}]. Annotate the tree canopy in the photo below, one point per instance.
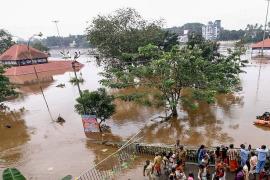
[
  {"x": 119, "y": 35},
  {"x": 97, "y": 103},
  {"x": 196, "y": 66},
  {"x": 5, "y": 41},
  {"x": 38, "y": 45},
  {"x": 6, "y": 89}
]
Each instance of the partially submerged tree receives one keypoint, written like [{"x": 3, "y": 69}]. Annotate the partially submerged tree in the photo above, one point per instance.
[
  {"x": 5, "y": 41},
  {"x": 197, "y": 66},
  {"x": 97, "y": 103},
  {"x": 6, "y": 89}
]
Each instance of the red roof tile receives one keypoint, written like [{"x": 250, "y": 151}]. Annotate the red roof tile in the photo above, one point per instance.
[
  {"x": 50, "y": 66},
  {"x": 20, "y": 52},
  {"x": 265, "y": 44}
]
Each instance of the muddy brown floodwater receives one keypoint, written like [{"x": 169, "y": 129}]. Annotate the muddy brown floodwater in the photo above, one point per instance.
[{"x": 45, "y": 150}]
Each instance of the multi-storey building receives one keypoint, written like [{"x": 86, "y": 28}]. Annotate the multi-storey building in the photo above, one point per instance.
[{"x": 211, "y": 31}]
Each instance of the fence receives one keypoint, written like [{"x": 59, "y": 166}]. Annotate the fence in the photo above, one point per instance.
[{"x": 125, "y": 156}]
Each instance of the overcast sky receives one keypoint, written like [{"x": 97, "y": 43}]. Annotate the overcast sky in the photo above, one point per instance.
[{"x": 25, "y": 17}]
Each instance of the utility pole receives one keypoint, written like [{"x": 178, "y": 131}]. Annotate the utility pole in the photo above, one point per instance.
[
  {"x": 31, "y": 58},
  {"x": 77, "y": 81},
  {"x": 265, "y": 25},
  {"x": 58, "y": 32}
]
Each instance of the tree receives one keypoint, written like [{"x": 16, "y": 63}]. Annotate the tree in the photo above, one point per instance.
[
  {"x": 6, "y": 89},
  {"x": 196, "y": 67},
  {"x": 191, "y": 27},
  {"x": 119, "y": 35},
  {"x": 97, "y": 103},
  {"x": 38, "y": 45},
  {"x": 5, "y": 41}
]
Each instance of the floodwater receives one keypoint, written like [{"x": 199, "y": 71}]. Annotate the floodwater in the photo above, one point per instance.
[{"x": 42, "y": 149}]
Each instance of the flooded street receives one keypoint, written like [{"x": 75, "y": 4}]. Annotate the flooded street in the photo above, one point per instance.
[{"x": 42, "y": 149}]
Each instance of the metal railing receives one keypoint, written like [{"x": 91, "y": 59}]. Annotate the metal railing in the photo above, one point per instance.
[{"x": 125, "y": 156}]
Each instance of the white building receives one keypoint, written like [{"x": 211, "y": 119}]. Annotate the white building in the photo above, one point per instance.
[
  {"x": 211, "y": 31},
  {"x": 183, "y": 38}
]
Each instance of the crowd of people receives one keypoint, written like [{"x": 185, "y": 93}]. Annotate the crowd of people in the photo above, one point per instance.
[{"x": 241, "y": 163}]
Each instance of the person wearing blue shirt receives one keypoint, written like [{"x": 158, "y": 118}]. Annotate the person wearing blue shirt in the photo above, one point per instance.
[
  {"x": 262, "y": 153},
  {"x": 201, "y": 152},
  {"x": 243, "y": 154}
]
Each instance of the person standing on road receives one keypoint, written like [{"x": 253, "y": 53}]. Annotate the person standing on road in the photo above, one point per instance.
[
  {"x": 243, "y": 154},
  {"x": 232, "y": 154},
  {"x": 262, "y": 153}
]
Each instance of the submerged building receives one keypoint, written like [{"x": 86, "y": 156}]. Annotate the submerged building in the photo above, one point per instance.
[
  {"x": 211, "y": 31},
  {"x": 20, "y": 55}
]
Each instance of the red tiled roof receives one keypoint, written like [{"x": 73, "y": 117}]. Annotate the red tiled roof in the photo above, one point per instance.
[
  {"x": 50, "y": 66},
  {"x": 20, "y": 52},
  {"x": 265, "y": 44}
]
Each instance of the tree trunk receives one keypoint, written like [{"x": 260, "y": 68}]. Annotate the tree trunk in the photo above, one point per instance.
[
  {"x": 99, "y": 124},
  {"x": 99, "y": 127},
  {"x": 174, "y": 111}
]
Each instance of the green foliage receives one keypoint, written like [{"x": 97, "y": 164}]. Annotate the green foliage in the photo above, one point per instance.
[
  {"x": 38, "y": 45},
  {"x": 119, "y": 35},
  {"x": 195, "y": 28},
  {"x": 12, "y": 174},
  {"x": 251, "y": 34},
  {"x": 75, "y": 80},
  {"x": 60, "y": 42},
  {"x": 97, "y": 103},
  {"x": 68, "y": 177},
  {"x": 231, "y": 35},
  {"x": 197, "y": 66},
  {"x": 6, "y": 89},
  {"x": 5, "y": 41}
]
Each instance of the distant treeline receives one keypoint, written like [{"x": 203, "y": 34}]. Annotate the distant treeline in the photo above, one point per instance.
[
  {"x": 76, "y": 41},
  {"x": 252, "y": 33}
]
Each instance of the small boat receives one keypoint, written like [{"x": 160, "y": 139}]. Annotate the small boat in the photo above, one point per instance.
[
  {"x": 263, "y": 120},
  {"x": 260, "y": 122}
]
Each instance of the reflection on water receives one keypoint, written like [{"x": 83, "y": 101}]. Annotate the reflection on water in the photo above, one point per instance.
[{"x": 13, "y": 134}]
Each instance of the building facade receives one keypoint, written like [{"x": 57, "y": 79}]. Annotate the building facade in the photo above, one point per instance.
[
  {"x": 183, "y": 38},
  {"x": 211, "y": 31},
  {"x": 20, "y": 55}
]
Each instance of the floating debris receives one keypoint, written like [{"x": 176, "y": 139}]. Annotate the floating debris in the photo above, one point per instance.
[
  {"x": 61, "y": 85},
  {"x": 8, "y": 126},
  {"x": 104, "y": 150},
  {"x": 60, "y": 120},
  {"x": 105, "y": 128}
]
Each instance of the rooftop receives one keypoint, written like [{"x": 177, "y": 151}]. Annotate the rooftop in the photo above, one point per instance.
[
  {"x": 265, "y": 44},
  {"x": 20, "y": 52},
  {"x": 50, "y": 66}
]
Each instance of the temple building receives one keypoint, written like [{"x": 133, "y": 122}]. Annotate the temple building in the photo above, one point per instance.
[{"x": 19, "y": 55}]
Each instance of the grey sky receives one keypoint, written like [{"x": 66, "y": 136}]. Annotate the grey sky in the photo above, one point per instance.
[{"x": 26, "y": 17}]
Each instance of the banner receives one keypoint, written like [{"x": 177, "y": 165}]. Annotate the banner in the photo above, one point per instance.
[{"x": 90, "y": 123}]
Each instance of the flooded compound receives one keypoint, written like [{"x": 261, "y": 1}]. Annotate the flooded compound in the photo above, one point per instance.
[{"x": 43, "y": 149}]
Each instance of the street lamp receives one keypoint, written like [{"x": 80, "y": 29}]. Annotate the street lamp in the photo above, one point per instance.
[{"x": 35, "y": 35}]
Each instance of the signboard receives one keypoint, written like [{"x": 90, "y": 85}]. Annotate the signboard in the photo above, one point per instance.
[{"x": 90, "y": 123}]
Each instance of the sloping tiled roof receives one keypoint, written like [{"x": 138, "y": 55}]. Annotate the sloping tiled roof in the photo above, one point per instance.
[
  {"x": 265, "y": 44},
  {"x": 50, "y": 66},
  {"x": 20, "y": 52}
]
